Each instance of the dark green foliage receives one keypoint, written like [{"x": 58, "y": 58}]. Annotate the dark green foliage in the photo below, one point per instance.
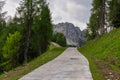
[
  {"x": 25, "y": 11},
  {"x": 26, "y": 36},
  {"x": 2, "y": 16},
  {"x": 81, "y": 42},
  {"x": 105, "y": 14},
  {"x": 42, "y": 31},
  {"x": 14, "y": 25},
  {"x": 10, "y": 51},
  {"x": 20, "y": 71},
  {"x": 96, "y": 25},
  {"x": 2, "y": 23},
  {"x": 114, "y": 14},
  {"x": 38, "y": 31},
  {"x": 3, "y": 31},
  {"x": 93, "y": 26},
  {"x": 60, "y": 39}
]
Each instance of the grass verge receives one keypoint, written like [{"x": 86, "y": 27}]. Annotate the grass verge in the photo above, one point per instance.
[
  {"x": 96, "y": 73},
  {"x": 104, "y": 56},
  {"x": 18, "y": 72}
]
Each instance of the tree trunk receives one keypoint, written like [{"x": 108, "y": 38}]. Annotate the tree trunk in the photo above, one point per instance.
[
  {"x": 27, "y": 44},
  {"x": 102, "y": 18},
  {"x": 29, "y": 21}
]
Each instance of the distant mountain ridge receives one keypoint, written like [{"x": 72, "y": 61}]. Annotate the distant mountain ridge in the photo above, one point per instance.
[{"x": 74, "y": 36}]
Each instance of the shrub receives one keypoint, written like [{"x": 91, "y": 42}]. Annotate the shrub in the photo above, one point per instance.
[
  {"x": 60, "y": 39},
  {"x": 10, "y": 50}
]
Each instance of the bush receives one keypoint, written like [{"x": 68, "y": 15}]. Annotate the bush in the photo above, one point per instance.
[
  {"x": 10, "y": 50},
  {"x": 60, "y": 39}
]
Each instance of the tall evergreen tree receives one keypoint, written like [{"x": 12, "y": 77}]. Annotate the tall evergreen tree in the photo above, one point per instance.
[
  {"x": 114, "y": 13},
  {"x": 96, "y": 25},
  {"x": 25, "y": 12},
  {"x": 27, "y": 35},
  {"x": 42, "y": 30},
  {"x": 46, "y": 27},
  {"x": 102, "y": 16},
  {"x": 93, "y": 29},
  {"x": 2, "y": 15},
  {"x": 28, "y": 24},
  {"x": 37, "y": 31},
  {"x": 2, "y": 26}
]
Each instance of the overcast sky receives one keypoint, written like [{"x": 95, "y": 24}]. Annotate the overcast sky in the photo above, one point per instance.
[{"x": 74, "y": 11}]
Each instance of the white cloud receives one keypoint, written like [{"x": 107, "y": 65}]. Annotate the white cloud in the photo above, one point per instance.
[{"x": 74, "y": 11}]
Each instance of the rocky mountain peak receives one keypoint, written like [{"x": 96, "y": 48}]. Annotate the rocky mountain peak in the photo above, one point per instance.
[{"x": 74, "y": 35}]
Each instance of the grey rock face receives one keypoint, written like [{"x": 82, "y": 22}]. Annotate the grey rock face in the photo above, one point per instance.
[{"x": 73, "y": 34}]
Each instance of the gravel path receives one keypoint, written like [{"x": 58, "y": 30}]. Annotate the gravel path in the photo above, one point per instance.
[{"x": 71, "y": 65}]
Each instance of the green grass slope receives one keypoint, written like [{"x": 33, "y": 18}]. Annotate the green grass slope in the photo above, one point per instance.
[
  {"x": 104, "y": 56},
  {"x": 15, "y": 74}
]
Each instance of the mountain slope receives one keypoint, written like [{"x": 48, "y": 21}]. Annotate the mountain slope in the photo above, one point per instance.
[{"x": 105, "y": 53}]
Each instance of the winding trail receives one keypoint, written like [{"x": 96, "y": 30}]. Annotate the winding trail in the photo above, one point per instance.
[{"x": 71, "y": 65}]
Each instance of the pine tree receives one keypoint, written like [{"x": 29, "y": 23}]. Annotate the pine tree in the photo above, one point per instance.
[
  {"x": 60, "y": 39},
  {"x": 2, "y": 15},
  {"x": 102, "y": 16},
  {"x": 35, "y": 19},
  {"x": 114, "y": 13},
  {"x": 25, "y": 12},
  {"x": 93, "y": 27},
  {"x": 2, "y": 26},
  {"x": 42, "y": 29},
  {"x": 96, "y": 25}
]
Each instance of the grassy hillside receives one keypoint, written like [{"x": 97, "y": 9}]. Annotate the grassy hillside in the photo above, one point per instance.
[
  {"x": 104, "y": 56},
  {"x": 15, "y": 74}
]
